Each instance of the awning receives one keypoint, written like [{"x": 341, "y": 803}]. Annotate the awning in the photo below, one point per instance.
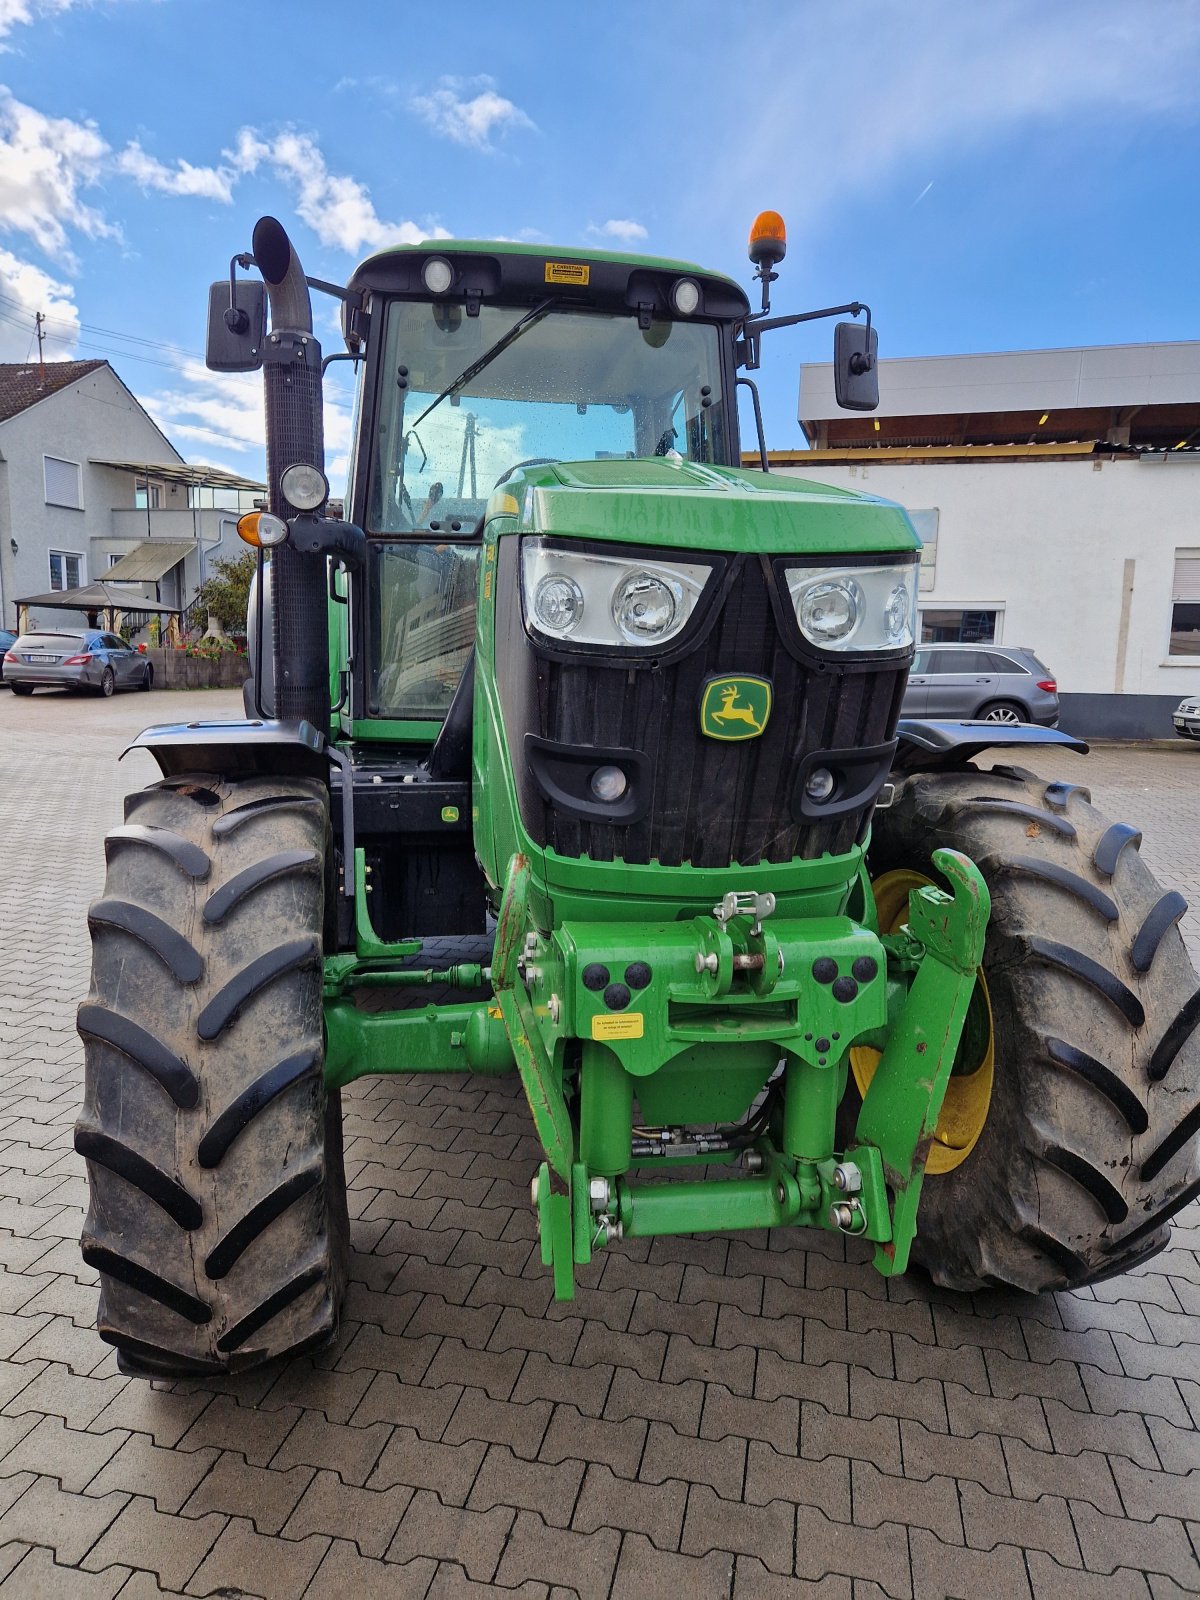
[
  {"x": 181, "y": 472},
  {"x": 96, "y": 597},
  {"x": 147, "y": 562}
]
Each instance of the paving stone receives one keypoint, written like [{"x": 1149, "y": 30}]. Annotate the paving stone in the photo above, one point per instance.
[
  {"x": 278, "y": 1569},
  {"x": 448, "y": 1470},
  {"x": 303, "y": 1383},
  {"x": 923, "y": 1401},
  {"x": 960, "y": 1364},
  {"x": 234, "y": 1486},
  {"x": 876, "y": 1439},
  {"x": 1018, "y": 1417},
  {"x": 713, "y": 1524},
  {"x": 879, "y": 1497},
  {"x": 548, "y": 1488},
  {"x": 173, "y": 1547},
  {"x": 573, "y": 1437},
  {"x": 1156, "y": 1396},
  {"x": 521, "y": 1427},
  {"x": 1086, "y": 1476},
  {"x": 494, "y": 1371},
  {"x": 824, "y": 1547},
  {"x": 544, "y": 1379},
  {"x": 53, "y": 1449},
  {"x": 1043, "y": 1524},
  {"x": 829, "y": 1385},
  {"x": 655, "y": 1510},
  {"x": 58, "y": 1392},
  {"x": 1162, "y": 1546},
  {"x": 68, "y": 1523},
  {"x": 389, "y": 1400},
  {"x": 1177, "y": 1448},
  {"x": 583, "y": 1563},
  {"x": 940, "y": 1570},
  {"x": 1147, "y": 1494},
  {"x": 678, "y": 1403},
  {"x": 330, "y": 1506},
  {"x": 516, "y": 1330},
  {"x": 253, "y": 1433},
  {"x": 39, "y": 1577},
  {"x": 1070, "y": 1584},
  {"x": 979, "y": 1458},
  {"x": 140, "y": 1467},
  {"x": 752, "y": 1581},
  {"x": 641, "y": 1353},
  {"x": 772, "y": 1476},
  {"x": 701, "y": 1284},
  {"x": 644, "y": 1573},
  {"x": 781, "y": 1331},
  {"x": 720, "y": 1463},
  {"x": 344, "y": 1574},
  {"x": 474, "y": 1539}
]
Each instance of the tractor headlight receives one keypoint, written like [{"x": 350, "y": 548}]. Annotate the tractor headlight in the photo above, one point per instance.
[
  {"x": 607, "y": 599},
  {"x": 856, "y": 608}
]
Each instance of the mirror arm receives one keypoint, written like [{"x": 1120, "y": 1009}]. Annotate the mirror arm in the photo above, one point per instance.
[
  {"x": 747, "y": 347},
  {"x": 236, "y": 319}
]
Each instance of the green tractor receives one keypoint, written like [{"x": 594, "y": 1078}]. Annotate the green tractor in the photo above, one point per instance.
[{"x": 574, "y": 750}]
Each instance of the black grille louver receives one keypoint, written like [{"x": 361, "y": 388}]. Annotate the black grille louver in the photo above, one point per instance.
[{"x": 712, "y": 802}]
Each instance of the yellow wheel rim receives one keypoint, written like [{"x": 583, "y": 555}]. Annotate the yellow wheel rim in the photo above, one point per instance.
[{"x": 968, "y": 1094}]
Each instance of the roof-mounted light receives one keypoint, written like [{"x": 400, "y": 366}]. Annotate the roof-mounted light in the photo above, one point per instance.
[
  {"x": 768, "y": 239},
  {"x": 685, "y": 296},
  {"x": 437, "y": 275}
]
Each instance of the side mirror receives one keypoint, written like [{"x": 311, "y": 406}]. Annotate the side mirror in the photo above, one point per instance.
[
  {"x": 236, "y": 332},
  {"x": 855, "y": 368}
]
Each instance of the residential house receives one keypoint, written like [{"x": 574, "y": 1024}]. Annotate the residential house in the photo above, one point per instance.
[{"x": 88, "y": 480}]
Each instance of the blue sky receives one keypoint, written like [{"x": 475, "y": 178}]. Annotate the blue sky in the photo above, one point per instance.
[{"x": 988, "y": 176}]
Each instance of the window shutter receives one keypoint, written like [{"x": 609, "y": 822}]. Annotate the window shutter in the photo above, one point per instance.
[
  {"x": 1186, "y": 587},
  {"x": 62, "y": 483}
]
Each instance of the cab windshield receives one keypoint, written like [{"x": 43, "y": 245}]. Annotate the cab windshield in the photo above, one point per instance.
[{"x": 570, "y": 385}]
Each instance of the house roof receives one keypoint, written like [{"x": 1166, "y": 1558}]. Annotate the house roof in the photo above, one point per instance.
[
  {"x": 24, "y": 383},
  {"x": 147, "y": 562}
]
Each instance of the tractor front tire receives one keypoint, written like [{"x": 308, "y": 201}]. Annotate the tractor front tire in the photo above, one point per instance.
[
  {"x": 217, "y": 1216},
  {"x": 1089, "y": 1145}
]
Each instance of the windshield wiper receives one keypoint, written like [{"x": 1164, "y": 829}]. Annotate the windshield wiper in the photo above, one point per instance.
[{"x": 489, "y": 355}]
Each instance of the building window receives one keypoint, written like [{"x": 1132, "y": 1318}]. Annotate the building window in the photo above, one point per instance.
[
  {"x": 1185, "y": 605},
  {"x": 64, "y": 484},
  {"x": 148, "y": 496},
  {"x": 960, "y": 625},
  {"x": 66, "y": 570}
]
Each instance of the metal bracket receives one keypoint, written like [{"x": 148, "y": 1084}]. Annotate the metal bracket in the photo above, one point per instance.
[{"x": 745, "y": 903}]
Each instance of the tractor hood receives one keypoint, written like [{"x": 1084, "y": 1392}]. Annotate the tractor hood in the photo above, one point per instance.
[{"x": 682, "y": 504}]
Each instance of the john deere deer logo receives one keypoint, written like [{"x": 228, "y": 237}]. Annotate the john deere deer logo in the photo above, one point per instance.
[{"x": 735, "y": 708}]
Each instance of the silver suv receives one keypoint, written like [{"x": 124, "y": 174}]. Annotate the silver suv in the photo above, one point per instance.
[{"x": 986, "y": 682}]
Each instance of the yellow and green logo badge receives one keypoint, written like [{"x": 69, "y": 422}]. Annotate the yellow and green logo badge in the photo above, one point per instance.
[{"x": 735, "y": 708}]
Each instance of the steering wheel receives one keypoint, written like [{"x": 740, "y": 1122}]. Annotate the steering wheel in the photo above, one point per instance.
[{"x": 529, "y": 461}]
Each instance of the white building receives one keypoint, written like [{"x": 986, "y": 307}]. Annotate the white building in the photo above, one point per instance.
[
  {"x": 1058, "y": 492},
  {"x": 88, "y": 480}
]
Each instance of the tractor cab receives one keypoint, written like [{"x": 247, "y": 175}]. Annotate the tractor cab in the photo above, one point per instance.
[{"x": 482, "y": 364}]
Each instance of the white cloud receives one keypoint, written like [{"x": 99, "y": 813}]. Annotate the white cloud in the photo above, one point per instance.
[
  {"x": 447, "y": 110},
  {"x": 15, "y": 13},
  {"x": 338, "y": 208},
  {"x": 45, "y": 162},
  {"x": 623, "y": 228},
  {"x": 24, "y": 291},
  {"x": 206, "y": 183}
]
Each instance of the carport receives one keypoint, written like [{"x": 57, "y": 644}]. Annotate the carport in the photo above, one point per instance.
[{"x": 101, "y": 598}]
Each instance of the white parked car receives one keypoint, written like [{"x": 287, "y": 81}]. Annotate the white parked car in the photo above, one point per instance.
[{"x": 1187, "y": 717}]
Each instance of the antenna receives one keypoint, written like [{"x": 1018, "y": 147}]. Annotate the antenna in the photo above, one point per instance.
[{"x": 39, "y": 322}]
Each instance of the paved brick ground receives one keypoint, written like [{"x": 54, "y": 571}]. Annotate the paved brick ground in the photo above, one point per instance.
[{"x": 709, "y": 1418}]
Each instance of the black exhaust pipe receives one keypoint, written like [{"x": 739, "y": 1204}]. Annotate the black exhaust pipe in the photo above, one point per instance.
[{"x": 295, "y": 433}]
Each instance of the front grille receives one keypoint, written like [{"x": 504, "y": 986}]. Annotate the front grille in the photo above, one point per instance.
[{"x": 713, "y": 803}]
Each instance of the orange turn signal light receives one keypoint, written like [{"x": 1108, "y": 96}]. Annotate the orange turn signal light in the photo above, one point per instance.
[
  {"x": 261, "y": 529},
  {"x": 768, "y": 238}
]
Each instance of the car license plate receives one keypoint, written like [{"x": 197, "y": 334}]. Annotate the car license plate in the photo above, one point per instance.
[{"x": 42, "y": 661}]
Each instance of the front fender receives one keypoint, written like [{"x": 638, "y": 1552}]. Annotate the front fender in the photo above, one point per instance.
[{"x": 236, "y": 749}]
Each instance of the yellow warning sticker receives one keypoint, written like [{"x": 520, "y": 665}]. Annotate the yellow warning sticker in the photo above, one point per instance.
[
  {"x": 629, "y": 1025},
  {"x": 579, "y": 272}
]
